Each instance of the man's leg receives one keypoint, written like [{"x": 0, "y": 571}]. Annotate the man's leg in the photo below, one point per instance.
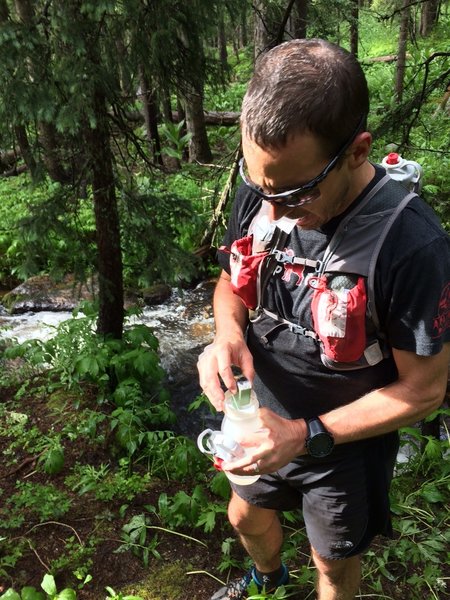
[
  {"x": 260, "y": 532},
  {"x": 261, "y": 535},
  {"x": 337, "y": 579}
]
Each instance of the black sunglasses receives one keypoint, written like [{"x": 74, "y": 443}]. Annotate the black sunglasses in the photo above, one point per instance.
[{"x": 306, "y": 193}]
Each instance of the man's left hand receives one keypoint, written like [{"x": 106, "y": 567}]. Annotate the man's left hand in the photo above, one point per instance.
[{"x": 272, "y": 446}]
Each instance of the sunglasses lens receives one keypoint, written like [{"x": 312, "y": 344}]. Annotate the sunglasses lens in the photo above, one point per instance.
[
  {"x": 301, "y": 198},
  {"x": 282, "y": 199}
]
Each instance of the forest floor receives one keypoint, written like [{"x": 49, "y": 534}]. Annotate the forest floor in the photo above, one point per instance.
[
  {"x": 90, "y": 533},
  {"x": 95, "y": 526}
]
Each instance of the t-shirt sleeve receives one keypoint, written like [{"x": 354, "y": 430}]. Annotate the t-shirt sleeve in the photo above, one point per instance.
[{"x": 415, "y": 284}]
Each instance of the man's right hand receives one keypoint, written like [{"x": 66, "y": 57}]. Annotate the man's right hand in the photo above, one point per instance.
[
  {"x": 215, "y": 362},
  {"x": 229, "y": 347}
]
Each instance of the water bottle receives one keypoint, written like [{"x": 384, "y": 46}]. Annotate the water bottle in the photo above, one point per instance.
[
  {"x": 240, "y": 419},
  {"x": 407, "y": 172}
]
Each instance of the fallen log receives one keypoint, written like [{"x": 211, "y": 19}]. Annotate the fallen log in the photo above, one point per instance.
[
  {"x": 14, "y": 171},
  {"x": 383, "y": 59},
  {"x": 211, "y": 117}
]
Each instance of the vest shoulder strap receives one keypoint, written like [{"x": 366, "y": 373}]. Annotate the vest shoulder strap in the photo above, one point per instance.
[
  {"x": 267, "y": 266},
  {"x": 371, "y": 305},
  {"x": 356, "y": 244}
]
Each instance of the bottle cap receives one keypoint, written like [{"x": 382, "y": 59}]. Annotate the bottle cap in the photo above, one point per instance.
[
  {"x": 219, "y": 445},
  {"x": 217, "y": 464},
  {"x": 392, "y": 158}
]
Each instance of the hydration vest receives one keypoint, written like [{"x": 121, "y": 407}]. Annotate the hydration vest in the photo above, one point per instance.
[{"x": 345, "y": 320}]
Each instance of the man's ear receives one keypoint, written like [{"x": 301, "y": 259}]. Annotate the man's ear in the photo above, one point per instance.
[{"x": 360, "y": 149}]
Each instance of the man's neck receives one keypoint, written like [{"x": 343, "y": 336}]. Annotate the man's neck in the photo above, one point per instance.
[{"x": 363, "y": 176}]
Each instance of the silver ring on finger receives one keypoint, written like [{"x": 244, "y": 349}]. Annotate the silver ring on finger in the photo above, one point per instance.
[{"x": 255, "y": 468}]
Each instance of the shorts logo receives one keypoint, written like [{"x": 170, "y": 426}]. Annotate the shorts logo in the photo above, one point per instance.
[{"x": 342, "y": 545}]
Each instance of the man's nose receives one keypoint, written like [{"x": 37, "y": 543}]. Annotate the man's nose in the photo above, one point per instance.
[{"x": 276, "y": 211}]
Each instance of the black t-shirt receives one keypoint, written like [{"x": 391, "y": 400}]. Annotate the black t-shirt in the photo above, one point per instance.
[{"x": 412, "y": 291}]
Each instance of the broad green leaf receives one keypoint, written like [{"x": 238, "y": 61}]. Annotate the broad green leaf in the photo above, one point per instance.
[
  {"x": 67, "y": 594},
  {"x": 10, "y": 595},
  {"x": 54, "y": 461},
  {"x": 31, "y": 593},
  {"x": 432, "y": 495},
  {"x": 48, "y": 585}
]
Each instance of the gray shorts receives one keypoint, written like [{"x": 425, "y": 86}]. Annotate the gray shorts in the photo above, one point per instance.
[{"x": 344, "y": 497}]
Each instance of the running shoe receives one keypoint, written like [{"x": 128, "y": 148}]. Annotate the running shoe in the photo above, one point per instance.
[{"x": 239, "y": 588}]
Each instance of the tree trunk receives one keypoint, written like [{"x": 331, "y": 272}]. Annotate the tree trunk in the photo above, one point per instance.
[
  {"x": 126, "y": 81},
  {"x": 261, "y": 35},
  {"x": 199, "y": 149},
  {"x": 8, "y": 160},
  {"x": 301, "y": 19},
  {"x": 385, "y": 59},
  {"x": 354, "y": 27},
  {"x": 111, "y": 310},
  {"x": 402, "y": 44},
  {"x": 48, "y": 137},
  {"x": 270, "y": 21},
  {"x": 211, "y": 117},
  {"x": 25, "y": 149},
  {"x": 149, "y": 110},
  {"x": 428, "y": 17},
  {"x": 181, "y": 118},
  {"x": 109, "y": 252},
  {"x": 243, "y": 27},
  {"x": 37, "y": 68},
  {"x": 191, "y": 91},
  {"x": 4, "y": 11},
  {"x": 222, "y": 39},
  {"x": 285, "y": 24}
]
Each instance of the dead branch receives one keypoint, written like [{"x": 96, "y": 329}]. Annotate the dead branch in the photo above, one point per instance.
[
  {"x": 208, "y": 236},
  {"x": 23, "y": 464}
]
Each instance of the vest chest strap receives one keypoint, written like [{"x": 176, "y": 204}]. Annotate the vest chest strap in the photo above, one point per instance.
[
  {"x": 283, "y": 257},
  {"x": 293, "y": 327}
]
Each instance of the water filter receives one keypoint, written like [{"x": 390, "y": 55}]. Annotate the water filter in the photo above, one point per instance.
[{"x": 240, "y": 419}]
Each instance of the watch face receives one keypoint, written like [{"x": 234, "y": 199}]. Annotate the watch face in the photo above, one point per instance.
[{"x": 321, "y": 444}]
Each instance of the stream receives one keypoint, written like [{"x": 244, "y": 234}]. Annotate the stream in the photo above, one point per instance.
[{"x": 183, "y": 325}]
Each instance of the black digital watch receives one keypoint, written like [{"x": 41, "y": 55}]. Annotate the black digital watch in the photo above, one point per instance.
[{"x": 319, "y": 441}]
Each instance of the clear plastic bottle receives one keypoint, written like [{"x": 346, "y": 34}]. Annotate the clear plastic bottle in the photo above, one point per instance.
[{"x": 240, "y": 419}]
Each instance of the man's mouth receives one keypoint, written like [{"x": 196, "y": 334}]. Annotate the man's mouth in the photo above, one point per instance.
[{"x": 306, "y": 220}]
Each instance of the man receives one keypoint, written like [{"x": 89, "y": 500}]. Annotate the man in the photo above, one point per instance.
[{"x": 336, "y": 372}]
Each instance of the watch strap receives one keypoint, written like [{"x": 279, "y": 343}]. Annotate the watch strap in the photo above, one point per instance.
[{"x": 315, "y": 426}]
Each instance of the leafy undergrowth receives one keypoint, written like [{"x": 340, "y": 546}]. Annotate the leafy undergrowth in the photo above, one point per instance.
[
  {"x": 90, "y": 520},
  {"x": 107, "y": 525}
]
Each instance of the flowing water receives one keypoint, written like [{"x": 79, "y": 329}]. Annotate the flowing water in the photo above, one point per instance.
[
  {"x": 183, "y": 321},
  {"x": 183, "y": 325}
]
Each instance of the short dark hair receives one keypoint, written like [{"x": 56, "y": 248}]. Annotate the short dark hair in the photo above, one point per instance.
[{"x": 305, "y": 86}]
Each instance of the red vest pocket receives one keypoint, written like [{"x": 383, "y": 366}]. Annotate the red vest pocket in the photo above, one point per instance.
[
  {"x": 339, "y": 317},
  {"x": 244, "y": 268}
]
